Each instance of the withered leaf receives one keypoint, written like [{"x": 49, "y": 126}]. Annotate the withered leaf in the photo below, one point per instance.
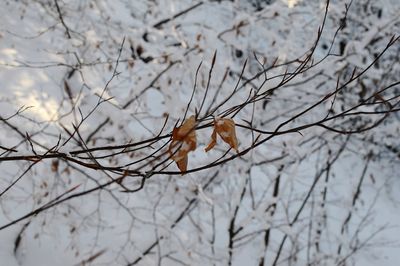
[
  {"x": 225, "y": 127},
  {"x": 182, "y": 163},
  {"x": 183, "y": 141},
  {"x": 213, "y": 141}
]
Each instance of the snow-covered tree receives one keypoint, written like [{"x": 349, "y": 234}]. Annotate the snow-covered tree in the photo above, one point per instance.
[{"x": 199, "y": 133}]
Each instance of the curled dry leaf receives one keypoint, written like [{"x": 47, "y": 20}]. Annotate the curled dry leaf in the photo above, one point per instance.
[
  {"x": 225, "y": 127},
  {"x": 212, "y": 142},
  {"x": 183, "y": 141}
]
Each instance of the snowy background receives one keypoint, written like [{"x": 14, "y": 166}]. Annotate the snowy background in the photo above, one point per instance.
[{"x": 56, "y": 58}]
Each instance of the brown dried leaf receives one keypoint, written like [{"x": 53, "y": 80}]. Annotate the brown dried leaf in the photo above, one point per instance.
[
  {"x": 225, "y": 127},
  {"x": 182, "y": 164},
  {"x": 212, "y": 142},
  {"x": 183, "y": 141}
]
